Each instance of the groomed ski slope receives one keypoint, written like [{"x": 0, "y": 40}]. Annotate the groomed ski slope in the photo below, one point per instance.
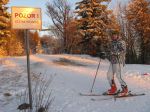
[{"x": 73, "y": 74}]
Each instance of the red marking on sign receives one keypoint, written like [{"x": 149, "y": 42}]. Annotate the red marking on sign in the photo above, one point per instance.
[{"x": 25, "y": 15}]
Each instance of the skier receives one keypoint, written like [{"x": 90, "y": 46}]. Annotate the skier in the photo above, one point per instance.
[{"x": 117, "y": 62}]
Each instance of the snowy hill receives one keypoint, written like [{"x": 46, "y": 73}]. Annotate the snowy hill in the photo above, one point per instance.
[{"x": 73, "y": 74}]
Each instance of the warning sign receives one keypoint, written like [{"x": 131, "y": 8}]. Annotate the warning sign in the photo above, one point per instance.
[{"x": 26, "y": 18}]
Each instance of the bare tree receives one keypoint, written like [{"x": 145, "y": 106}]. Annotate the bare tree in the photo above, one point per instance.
[
  {"x": 138, "y": 17},
  {"x": 127, "y": 33},
  {"x": 60, "y": 13}
]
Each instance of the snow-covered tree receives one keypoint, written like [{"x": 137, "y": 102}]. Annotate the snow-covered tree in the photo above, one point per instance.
[
  {"x": 9, "y": 43},
  {"x": 4, "y": 26},
  {"x": 13, "y": 46},
  {"x": 93, "y": 19},
  {"x": 138, "y": 16}
]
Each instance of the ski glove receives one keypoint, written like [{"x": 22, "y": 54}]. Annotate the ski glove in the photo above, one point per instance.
[
  {"x": 115, "y": 53},
  {"x": 102, "y": 55}
]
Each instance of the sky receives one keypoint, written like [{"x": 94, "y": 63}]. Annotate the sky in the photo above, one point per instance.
[
  {"x": 37, "y": 4},
  {"x": 41, "y": 4}
]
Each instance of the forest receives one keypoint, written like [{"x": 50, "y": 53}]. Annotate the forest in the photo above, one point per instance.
[{"x": 84, "y": 30}]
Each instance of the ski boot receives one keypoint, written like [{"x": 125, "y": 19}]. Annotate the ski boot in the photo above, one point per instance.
[
  {"x": 124, "y": 91},
  {"x": 112, "y": 90}
]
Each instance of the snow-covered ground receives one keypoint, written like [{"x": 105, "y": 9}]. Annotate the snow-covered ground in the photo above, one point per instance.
[{"x": 73, "y": 74}]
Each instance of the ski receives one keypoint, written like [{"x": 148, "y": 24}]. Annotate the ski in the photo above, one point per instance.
[
  {"x": 130, "y": 95},
  {"x": 115, "y": 97},
  {"x": 96, "y": 94}
]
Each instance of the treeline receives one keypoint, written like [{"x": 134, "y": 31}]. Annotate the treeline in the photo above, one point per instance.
[
  {"x": 91, "y": 25},
  {"x": 85, "y": 30},
  {"x": 134, "y": 20},
  {"x": 12, "y": 42}
]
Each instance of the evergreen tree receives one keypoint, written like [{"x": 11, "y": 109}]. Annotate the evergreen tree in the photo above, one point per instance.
[
  {"x": 93, "y": 22},
  {"x": 9, "y": 43},
  {"x": 4, "y": 26},
  {"x": 138, "y": 16},
  {"x": 13, "y": 46}
]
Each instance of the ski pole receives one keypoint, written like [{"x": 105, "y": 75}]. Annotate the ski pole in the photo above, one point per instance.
[{"x": 95, "y": 75}]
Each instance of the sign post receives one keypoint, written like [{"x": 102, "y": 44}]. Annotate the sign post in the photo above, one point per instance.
[
  {"x": 28, "y": 66},
  {"x": 26, "y": 18}
]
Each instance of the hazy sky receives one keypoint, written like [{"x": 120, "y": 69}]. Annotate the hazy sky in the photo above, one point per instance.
[{"x": 41, "y": 4}]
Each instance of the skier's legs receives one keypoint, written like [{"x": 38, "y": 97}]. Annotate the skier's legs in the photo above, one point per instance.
[
  {"x": 110, "y": 74},
  {"x": 119, "y": 72},
  {"x": 110, "y": 77}
]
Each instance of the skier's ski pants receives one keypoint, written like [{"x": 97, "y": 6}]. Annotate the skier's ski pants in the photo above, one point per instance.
[{"x": 118, "y": 70}]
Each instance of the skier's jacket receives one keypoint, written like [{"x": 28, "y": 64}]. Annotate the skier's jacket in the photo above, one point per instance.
[{"x": 117, "y": 51}]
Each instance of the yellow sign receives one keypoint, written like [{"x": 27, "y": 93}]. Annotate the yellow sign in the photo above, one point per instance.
[{"x": 26, "y": 18}]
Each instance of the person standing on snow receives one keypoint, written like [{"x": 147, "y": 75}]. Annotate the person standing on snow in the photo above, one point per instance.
[{"x": 117, "y": 59}]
